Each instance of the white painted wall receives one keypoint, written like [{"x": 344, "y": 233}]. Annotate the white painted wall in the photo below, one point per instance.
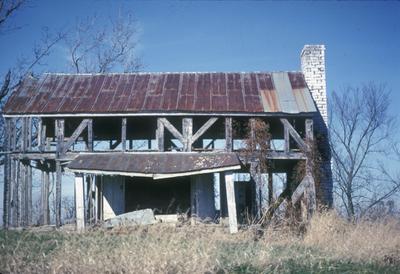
[{"x": 113, "y": 196}]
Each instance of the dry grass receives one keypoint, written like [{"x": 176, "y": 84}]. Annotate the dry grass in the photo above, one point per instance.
[{"x": 330, "y": 245}]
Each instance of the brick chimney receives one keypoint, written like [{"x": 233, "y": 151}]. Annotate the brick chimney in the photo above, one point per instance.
[{"x": 313, "y": 67}]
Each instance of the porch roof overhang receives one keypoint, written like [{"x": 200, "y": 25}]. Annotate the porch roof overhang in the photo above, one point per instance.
[{"x": 154, "y": 164}]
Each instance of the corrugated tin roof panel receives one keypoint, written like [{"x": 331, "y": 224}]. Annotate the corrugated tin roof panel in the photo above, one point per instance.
[{"x": 284, "y": 92}]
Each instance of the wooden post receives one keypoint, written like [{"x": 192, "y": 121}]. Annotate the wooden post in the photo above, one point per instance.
[
  {"x": 24, "y": 190},
  {"x": 7, "y": 179},
  {"x": 253, "y": 133},
  {"x": 222, "y": 195},
  {"x": 309, "y": 193},
  {"x": 187, "y": 130},
  {"x": 287, "y": 139},
  {"x": 160, "y": 135},
  {"x": 17, "y": 193},
  {"x": 14, "y": 176},
  {"x": 230, "y": 196},
  {"x": 79, "y": 203},
  {"x": 45, "y": 198},
  {"x": 90, "y": 134},
  {"x": 270, "y": 188},
  {"x": 228, "y": 134},
  {"x": 29, "y": 204},
  {"x": 123, "y": 134},
  {"x": 256, "y": 189},
  {"x": 58, "y": 192},
  {"x": 29, "y": 133},
  {"x": 60, "y": 144}
]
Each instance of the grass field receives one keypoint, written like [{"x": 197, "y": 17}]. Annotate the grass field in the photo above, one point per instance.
[{"x": 330, "y": 245}]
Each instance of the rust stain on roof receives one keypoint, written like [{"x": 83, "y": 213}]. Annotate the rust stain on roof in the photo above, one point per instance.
[{"x": 158, "y": 93}]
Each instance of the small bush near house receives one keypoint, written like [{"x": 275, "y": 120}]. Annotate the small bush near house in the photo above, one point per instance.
[{"x": 330, "y": 245}]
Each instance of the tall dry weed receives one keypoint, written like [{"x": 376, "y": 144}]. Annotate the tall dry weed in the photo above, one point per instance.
[{"x": 362, "y": 241}]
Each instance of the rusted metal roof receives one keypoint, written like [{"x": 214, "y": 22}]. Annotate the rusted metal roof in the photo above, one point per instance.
[
  {"x": 284, "y": 92},
  {"x": 156, "y": 165}
]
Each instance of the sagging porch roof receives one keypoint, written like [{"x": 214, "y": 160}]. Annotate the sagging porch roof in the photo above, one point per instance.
[
  {"x": 156, "y": 165},
  {"x": 162, "y": 93}
]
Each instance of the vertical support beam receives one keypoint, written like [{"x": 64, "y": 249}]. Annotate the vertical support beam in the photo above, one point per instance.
[
  {"x": 24, "y": 134},
  {"x": 58, "y": 192},
  {"x": 23, "y": 194},
  {"x": 270, "y": 188},
  {"x": 17, "y": 193},
  {"x": 256, "y": 189},
  {"x": 45, "y": 198},
  {"x": 29, "y": 133},
  {"x": 230, "y": 196},
  {"x": 7, "y": 175},
  {"x": 193, "y": 201},
  {"x": 160, "y": 135},
  {"x": 39, "y": 134},
  {"x": 123, "y": 134},
  {"x": 29, "y": 204},
  {"x": 222, "y": 195},
  {"x": 90, "y": 134},
  {"x": 187, "y": 130},
  {"x": 287, "y": 138},
  {"x": 253, "y": 133},
  {"x": 43, "y": 138},
  {"x": 60, "y": 143},
  {"x": 310, "y": 193},
  {"x": 228, "y": 134},
  {"x": 79, "y": 203},
  {"x": 14, "y": 191}
]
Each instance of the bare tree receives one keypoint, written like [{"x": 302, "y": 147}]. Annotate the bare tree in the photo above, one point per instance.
[
  {"x": 360, "y": 133},
  {"x": 7, "y": 9},
  {"x": 98, "y": 46}
]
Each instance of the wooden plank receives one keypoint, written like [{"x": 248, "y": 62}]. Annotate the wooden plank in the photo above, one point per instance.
[
  {"x": 39, "y": 134},
  {"x": 29, "y": 204},
  {"x": 300, "y": 142},
  {"x": 23, "y": 195},
  {"x": 77, "y": 132},
  {"x": 287, "y": 139},
  {"x": 204, "y": 128},
  {"x": 79, "y": 203},
  {"x": 187, "y": 130},
  {"x": 123, "y": 134},
  {"x": 172, "y": 129},
  {"x": 15, "y": 192},
  {"x": 7, "y": 177},
  {"x": 256, "y": 188},
  {"x": 270, "y": 188},
  {"x": 29, "y": 133},
  {"x": 24, "y": 137},
  {"x": 18, "y": 193},
  {"x": 228, "y": 134},
  {"x": 58, "y": 192},
  {"x": 59, "y": 136},
  {"x": 230, "y": 196},
  {"x": 90, "y": 134},
  {"x": 45, "y": 205},
  {"x": 299, "y": 191},
  {"x": 160, "y": 135},
  {"x": 252, "y": 122}
]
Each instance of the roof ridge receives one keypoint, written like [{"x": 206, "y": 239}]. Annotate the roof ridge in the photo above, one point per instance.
[{"x": 168, "y": 72}]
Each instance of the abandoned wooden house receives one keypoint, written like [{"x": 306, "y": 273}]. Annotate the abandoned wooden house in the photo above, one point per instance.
[{"x": 167, "y": 141}]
